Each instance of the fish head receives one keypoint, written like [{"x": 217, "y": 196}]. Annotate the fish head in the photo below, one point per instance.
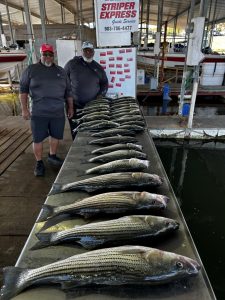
[
  {"x": 149, "y": 200},
  {"x": 167, "y": 266},
  {"x": 149, "y": 178},
  {"x": 161, "y": 224},
  {"x": 138, "y": 162}
]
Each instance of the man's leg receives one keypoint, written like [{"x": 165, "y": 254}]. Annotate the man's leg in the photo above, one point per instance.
[
  {"x": 39, "y": 132},
  {"x": 52, "y": 158},
  {"x": 38, "y": 149},
  {"x": 53, "y": 145}
]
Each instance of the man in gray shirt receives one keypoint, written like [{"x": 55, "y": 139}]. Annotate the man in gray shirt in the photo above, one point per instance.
[
  {"x": 88, "y": 78},
  {"x": 49, "y": 88}
]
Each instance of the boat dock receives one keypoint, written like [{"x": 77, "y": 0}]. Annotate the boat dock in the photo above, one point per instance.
[{"x": 28, "y": 195}]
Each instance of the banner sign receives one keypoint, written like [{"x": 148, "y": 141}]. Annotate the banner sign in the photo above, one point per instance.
[{"x": 117, "y": 15}]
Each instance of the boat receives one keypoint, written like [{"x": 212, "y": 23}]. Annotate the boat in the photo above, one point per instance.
[
  {"x": 173, "y": 60},
  {"x": 9, "y": 59}
]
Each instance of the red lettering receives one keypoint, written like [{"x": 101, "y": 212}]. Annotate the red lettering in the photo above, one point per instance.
[
  {"x": 123, "y": 14},
  {"x": 113, "y": 13},
  {"x": 121, "y": 5},
  {"x": 103, "y": 6},
  {"x": 102, "y": 15},
  {"x": 133, "y": 13},
  {"x": 118, "y": 13},
  {"x": 132, "y": 5},
  {"x": 113, "y": 6},
  {"x": 128, "y": 14}
]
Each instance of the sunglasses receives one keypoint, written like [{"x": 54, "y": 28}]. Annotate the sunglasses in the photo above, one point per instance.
[{"x": 48, "y": 54}]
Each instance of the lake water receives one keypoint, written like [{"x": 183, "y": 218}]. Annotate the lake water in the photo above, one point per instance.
[{"x": 197, "y": 175}]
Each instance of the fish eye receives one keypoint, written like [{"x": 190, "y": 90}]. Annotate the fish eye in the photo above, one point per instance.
[
  {"x": 153, "y": 201},
  {"x": 179, "y": 265}
]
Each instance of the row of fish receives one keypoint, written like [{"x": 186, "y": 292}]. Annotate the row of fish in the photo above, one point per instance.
[
  {"x": 123, "y": 173},
  {"x": 113, "y": 115}
]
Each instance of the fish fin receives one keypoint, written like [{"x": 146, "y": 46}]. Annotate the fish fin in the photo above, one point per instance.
[
  {"x": 46, "y": 212},
  {"x": 56, "y": 189},
  {"x": 90, "y": 243},
  {"x": 76, "y": 121},
  {"x": 44, "y": 240},
  {"x": 12, "y": 283},
  {"x": 67, "y": 285},
  {"x": 86, "y": 215}
]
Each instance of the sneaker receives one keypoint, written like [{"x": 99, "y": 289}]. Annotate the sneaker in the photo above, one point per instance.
[
  {"x": 39, "y": 168},
  {"x": 55, "y": 160}
]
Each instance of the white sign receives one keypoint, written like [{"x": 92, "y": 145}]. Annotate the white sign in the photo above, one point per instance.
[
  {"x": 117, "y": 15},
  {"x": 120, "y": 67}
]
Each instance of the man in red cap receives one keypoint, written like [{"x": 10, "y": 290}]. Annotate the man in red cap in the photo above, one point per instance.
[{"x": 49, "y": 89}]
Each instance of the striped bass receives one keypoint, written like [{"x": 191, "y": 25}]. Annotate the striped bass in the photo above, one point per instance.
[
  {"x": 96, "y": 125},
  {"x": 108, "y": 203},
  {"x": 118, "y": 154},
  {"x": 123, "y": 139},
  {"x": 80, "y": 113},
  {"x": 130, "y": 122},
  {"x": 110, "y": 266},
  {"x": 97, "y": 101},
  {"x": 125, "y": 110},
  {"x": 93, "y": 117},
  {"x": 117, "y": 115},
  {"x": 110, "y": 181},
  {"x": 132, "y": 164},
  {"x": 130, "y": 118},
  {"x": 133, "y": 127},
  {"x": 117, "y": 147},
  {"x": 113, "y": 132},
  {"x": 113, "y": 232}
]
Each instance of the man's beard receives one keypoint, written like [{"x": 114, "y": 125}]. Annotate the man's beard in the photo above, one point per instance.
[
  {"x": 48, "y": 64},
  {"x": 88, "y": 60}
]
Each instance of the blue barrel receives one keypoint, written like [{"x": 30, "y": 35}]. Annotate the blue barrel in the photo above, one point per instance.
[{"x": 186, "y": 109}]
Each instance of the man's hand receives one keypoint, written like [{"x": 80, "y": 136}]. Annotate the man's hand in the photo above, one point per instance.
[
  {"x": 99, "y": 96},
  {"x": 26, "y": 114},
  {"x": 70, "y": 112}
]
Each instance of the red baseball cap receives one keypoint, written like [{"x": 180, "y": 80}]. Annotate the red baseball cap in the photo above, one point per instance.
[{"x": 46, "y": 47}]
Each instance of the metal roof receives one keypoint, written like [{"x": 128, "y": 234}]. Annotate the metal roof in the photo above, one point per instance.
[{"x": 60, "y": 11}]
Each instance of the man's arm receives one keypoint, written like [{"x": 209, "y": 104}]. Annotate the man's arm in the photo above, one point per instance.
[
  {"x": 70, "y": 108},
  {"x": 25, "y": 106},
  {"x": 103, "y": 84}
]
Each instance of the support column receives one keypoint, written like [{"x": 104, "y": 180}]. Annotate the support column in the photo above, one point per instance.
[
  {"x": 196, "y": 73},
  {"x": 141, "y": 29},
  {"x": 43, "y": 20},
  {"x": 2, "y": 35},
  {"x": 9, "y": 21},
  {"x": 186, "y": 72},
  {"x": 32, "y": 56},
  {"x": 147, "y": 19}
]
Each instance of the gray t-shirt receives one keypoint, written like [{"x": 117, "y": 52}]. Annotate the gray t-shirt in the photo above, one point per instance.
[
  {"x": 48, "y": 87},
  {"x": 88, "y": 80}
]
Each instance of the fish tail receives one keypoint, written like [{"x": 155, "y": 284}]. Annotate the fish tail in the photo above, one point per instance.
[
  {"x": 56, "y": 189},
  {"x": 13, "y": 284},
  {"x": 47, "y": 212},
  {"x": 44, "y": 240}
]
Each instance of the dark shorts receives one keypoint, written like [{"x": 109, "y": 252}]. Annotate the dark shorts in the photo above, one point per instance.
[{"x": 42, "y": 127}]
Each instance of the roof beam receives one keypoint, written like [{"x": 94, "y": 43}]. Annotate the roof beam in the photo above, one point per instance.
[{"x": 22, "y": 9}]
